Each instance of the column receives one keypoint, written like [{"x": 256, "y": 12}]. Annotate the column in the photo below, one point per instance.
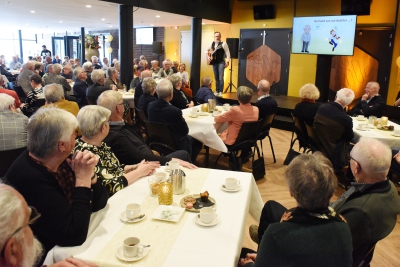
[
  {"x": 196, "y": 55},
  {"x": 126, "y": 43},
  {"x": 82, "y": 58}
]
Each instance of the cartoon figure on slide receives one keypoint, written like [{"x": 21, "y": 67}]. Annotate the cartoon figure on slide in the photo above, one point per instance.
[
  {"x": 305, "y": 39},
  {"x": 334, "y": 38}
]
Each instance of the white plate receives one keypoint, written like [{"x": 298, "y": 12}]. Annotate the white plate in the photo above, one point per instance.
[
  {"x": 359, "y": 119},
  {"x": 121, "y": 256},
  {"x": 238, "y": 188},
  {"x": 361, "y": 129},
  {"x": 199, "y": 222},
  {"x": 123, "y": 218},
  {"x": 168, "y": 213},
  {"x": 370, "y": 126},
  {"x": 204, "y": 113},
  {"x": 193, "y": 116},
  {"x": 395, "y": 135}
]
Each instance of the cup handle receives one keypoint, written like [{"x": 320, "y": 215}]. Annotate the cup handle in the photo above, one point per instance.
[
  {"x": 238, "y": 183},
  {"x": 140, "y": 249}
]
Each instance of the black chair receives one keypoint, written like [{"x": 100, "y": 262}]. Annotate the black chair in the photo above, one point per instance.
[
  {"x": 299, "y": 128},
  {"x": 312, "y": 139},
  {"x": 20, "y": 92},
  {"x": 141, "y": 122},
  {"x": 246, "y": 140},
  {"x": 7, "y": 158},
  {"x": 39, "y": 102},
  {"x": 160, "y": 138},
  {"x": 91, "y": 101},
  {"x": 265, "y": 126}
]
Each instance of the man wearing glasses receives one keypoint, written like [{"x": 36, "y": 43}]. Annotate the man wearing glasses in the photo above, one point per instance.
[
  {"x": 18, "y": 246},
  {"x": 218, "y": 56}
]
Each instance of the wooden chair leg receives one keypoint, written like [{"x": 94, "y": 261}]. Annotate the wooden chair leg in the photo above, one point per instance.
[{"x": 272, "y": 148}]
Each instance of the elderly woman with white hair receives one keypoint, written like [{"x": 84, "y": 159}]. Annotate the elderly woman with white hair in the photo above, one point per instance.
[
  {"x": 179, "y": 99},
  {"x": 307, "y": 108},
  {"x": 149, "y": 89},
  {"x": 113, "y": 78},
  {"x": 98, "y": 87},
  {"x": 61, "y": 186},
  {"x": 311, "y": 234},
  {"x": 88, "y": 67},
  {"x": 93, "y": 122},
  {"x": 166, "y": 71}
]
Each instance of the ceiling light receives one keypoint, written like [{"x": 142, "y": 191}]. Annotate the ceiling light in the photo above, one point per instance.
[
  {"x": 110, "y": 26},
  {"x": 157, "y": 16},
  {"x": 203, "y": 23},
  {"x": 60, "y": 21},
  {"x": 88, "y": 6},
  {"x": 32, "y": 11},
  {"x": 151, "y": 24},
  {"x": 103, "y": 19},
  {"x": 8, "y": 3}
]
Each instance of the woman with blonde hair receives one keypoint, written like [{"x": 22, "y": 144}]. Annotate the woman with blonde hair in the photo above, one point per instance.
[{"x": 307, "y": 108}]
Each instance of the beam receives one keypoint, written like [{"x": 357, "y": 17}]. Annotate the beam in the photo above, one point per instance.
[{"x": 126, "y": 43}]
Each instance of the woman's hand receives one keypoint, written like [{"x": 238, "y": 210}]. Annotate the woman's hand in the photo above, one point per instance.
[
  {"x": 82, "y": 164},
  {"x": 186, "y": 164},
  {"x": 190, "y": 105}
]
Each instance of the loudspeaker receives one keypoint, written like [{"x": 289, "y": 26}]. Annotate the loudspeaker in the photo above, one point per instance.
[
  {"x": 264, "y": 12},
  {"x": 356, "y": 7},
  {"x": 233, "y": 44},
  {"x": 157, "y": 48}
]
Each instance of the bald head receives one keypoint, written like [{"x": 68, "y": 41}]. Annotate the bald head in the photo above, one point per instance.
[
  {"x": 372, "y": 89},
  {"x": 30, "y": 65},
  {"x": 263, "y": 87},
  {"x": 374, "y": 159}
]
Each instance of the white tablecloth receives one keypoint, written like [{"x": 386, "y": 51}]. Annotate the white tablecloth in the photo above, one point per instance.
[
  {"x": 383, "y": 136},
  {"x": 203, "y": 129},
  {"x": 172, "y": 244}
]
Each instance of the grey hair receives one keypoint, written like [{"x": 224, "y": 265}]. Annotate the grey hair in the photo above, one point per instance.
[
  {"x": 164, "y": 89},
  {"x": 87, "y": 65},
  {"x": 154, "y": 61},
  {"x": 311, "y": 180},
  {"x": 50, "y": 66},
  {"x": 206, "y": 81},
  {"x": 109, "y": 99},
  {"x": 97, "y": 75},
  {"x": 144, "y": 74},
  {"x": 309, "y": 91},
  {"x": 374, "y": 156},
  {"x": 345, "y": 96},
  {"x": 148, "y": 85},
  {"x": 175, "y": 79},
  {"x": 47, "y": 127},
  {"x": 57, "y": 68},
  {"x": 10, "y": 212},
  {"x": 6, "y": 101},
  {"x": 53, "y": 92},
  {"x": 244, "y": 94},
  {"x": 77, "y": 71},
  {"x": 111, "y": 71},
  {"x": 91, "y": 118}
]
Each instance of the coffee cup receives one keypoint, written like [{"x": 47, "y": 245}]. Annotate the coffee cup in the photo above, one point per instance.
[
  {"x": 131, "y": 247},
  {"x": 396, "y": 132},
  {"x": 193, "y": 112},
  {"x": 207, "y": 214},
  {"x": 362, "y": 126},
  {"x": 216, "y": 113},
  {"x": 227, "y": 106},
  {"x": 172, "y": 165},
  {"x": 231, "y": 183},
  {"x": 132, "y": 211}
]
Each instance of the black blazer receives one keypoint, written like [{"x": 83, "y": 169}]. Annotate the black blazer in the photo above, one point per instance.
[
  {"x": 306, "y": 111},
  {"x": 95, "y": 90},
  {"x": 375, "y": 107},
  {"x": 266, "y": 106},
  {"x": 144, "y": 101},
  {"x": 180, "y": 99},
  {"x": 80, "y": 92}
]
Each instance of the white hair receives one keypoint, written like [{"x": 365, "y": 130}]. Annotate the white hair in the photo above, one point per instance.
[
  {"x": 164, "y": 89},
  {"x": 345, "y": 96},
  {"x": 6, "y": 101},
  {"x": 91, "y": 118},
  {"x": 109, "y": 99},
  {"x": 97, "y": 75},
  {"x": 53, "y": 92},
  {"x": 57, "y": 68},
  {"x": 87, "y": 65}
]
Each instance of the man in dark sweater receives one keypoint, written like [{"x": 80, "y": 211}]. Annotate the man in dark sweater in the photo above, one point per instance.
[
  {"x": 372, "y": 103},
  {"x": 126, "y": 144},
  {"x": 266, "y": 104}
]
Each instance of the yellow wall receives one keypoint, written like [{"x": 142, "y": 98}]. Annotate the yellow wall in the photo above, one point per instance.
[{"x": 302, "y": 67}]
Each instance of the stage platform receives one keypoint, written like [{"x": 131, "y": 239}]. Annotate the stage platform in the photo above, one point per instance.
[{"x": 283, "y": 117}]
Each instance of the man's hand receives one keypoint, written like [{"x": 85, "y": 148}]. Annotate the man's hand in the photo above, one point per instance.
[
  {"x": 145, "y": 168},
  {"x": 226, "y": 64},
  {"x": 286, "y": 216},
  {"x": 365, "y": 97},
  {"x": 83, "y": 163},
  {"x": 70, "y": 262},
  {"x": 397, "y": 157},
  {"x": 250, "y": 257}
]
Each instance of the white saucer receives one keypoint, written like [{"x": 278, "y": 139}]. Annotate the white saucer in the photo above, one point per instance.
[
  {"x": 238, "y": 188},
  {"x": 204, "y": 113},
  {"x": 363, "y": 119},
  {"x": 199, "y": 222},
  {"x": 123, "y": 218},
  {"x": 120, "y": 255},
  {"x": 361, "y": 129},
  {"x": 395, "y": 135},
  {"x": 193, "y": 116},
  {"x": 370, "y": 126}
]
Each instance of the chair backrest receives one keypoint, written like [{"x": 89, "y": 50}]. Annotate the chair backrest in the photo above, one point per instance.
[
  {"x": 91, "y": 101},
  {"x": 39, "y": 102},
  {"x": 159, "y": 133},
  {"x": 7, "y": 158},
  {"x": 393, "y": 113},
  {"x": 141, "y": 114},
  {"x": 299, "y": 128},
  {"x": 265, "y": 124},
  {"x": 312, "y": 138},
  {"x": 20, "y": 92},
  {"x": 247, "y": 136}
]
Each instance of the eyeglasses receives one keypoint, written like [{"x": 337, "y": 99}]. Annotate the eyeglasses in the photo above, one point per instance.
[
  {"x": 356, "y": 161},
  {"x": 33, "y": 217},
  {"x": 120, "y": 104}
]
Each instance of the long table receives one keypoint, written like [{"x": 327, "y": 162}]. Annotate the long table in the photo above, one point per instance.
[
  {"x": 172, "y": 244},
  {"x": 383, "y": 136}
]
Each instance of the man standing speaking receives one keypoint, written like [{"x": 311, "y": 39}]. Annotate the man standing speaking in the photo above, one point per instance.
[{"x": 218, "y": 56}]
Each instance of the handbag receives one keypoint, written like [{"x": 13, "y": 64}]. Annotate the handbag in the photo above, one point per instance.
[
  {"x": 290, "y": 156},
  {"x": 258, "y": 166}
]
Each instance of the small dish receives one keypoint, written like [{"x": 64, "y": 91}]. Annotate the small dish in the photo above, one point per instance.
[
  {"x": 198, "y": 204},
  {"x": 191, "y": 116},
  {"x": 204, "y": 113},
  {"x": 358, "y": 128},
  {"x": 168, "y": 213},
  {"x": 198, "y": 221},
  {"x": 395, "y": 135},
  {"x": 361, "y": 119},
  {"x": 121, "y": 256},
  {"x": 123, "y": 218},
  {"x": 238, "y": 188}
]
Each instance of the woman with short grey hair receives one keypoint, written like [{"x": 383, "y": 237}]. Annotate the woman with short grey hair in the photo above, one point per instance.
[
  {"x": 93, "y": 91},
  {"x": 93, "y": 122},
  {"x": 180, "y": 99},
  {"x": 113, "y": 78},
  {"x": 310, "y": 232},
  {"x": 307, "y": 108},
  {"x": 149, "y": 89}
]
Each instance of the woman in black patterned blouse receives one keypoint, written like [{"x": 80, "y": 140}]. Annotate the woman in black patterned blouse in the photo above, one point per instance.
[
  {"x": 93, "y": 122},
  {"x": 29, "y": 107}
]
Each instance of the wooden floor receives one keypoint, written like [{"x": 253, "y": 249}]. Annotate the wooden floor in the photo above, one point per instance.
[{"x": 273, "y": 187}]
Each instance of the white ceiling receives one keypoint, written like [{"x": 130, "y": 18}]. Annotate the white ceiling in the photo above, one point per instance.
[{"x": 59, "y": 16}]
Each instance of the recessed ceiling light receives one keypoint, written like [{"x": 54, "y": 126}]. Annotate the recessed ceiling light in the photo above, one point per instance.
[
  {"x": 103, "y": 19},
  {"x": 60, "y": 21},
  {"x": 32, "y": 11},
  {"x": 157, "y": 16},
  {"x": 88, "y": 6},
  {"x": 151, "y": 24},
  {"x": 110, "y": 26}
]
